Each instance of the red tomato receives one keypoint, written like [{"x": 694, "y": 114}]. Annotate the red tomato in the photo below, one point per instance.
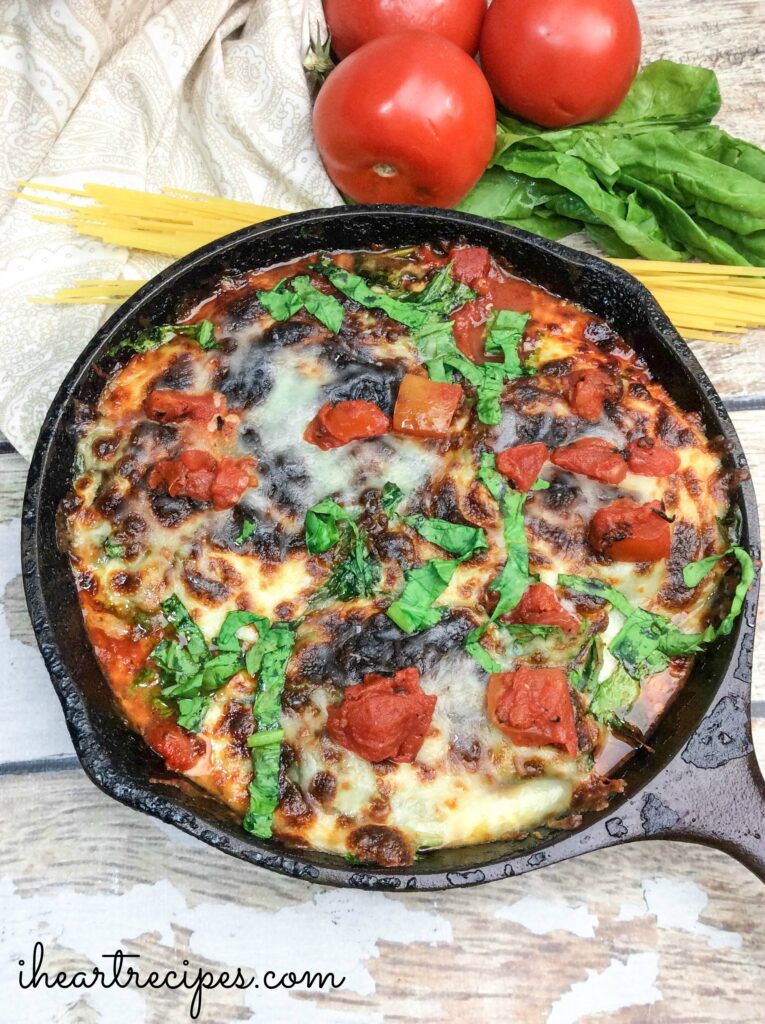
[
  {"x": 647, "y": 458},
  {"x": 425, "y": 408},
  {"x": 196, "y": 474},
  {"x": 180, "y": 749},
  {"x": 628, "y": 532},
  {"x": 470, "y": 328},
  {"x": 561, "y": 62},
  {"x": 521, "y": 465},
  {"x": 471, "y": 263},
  {"x": 532, "y": 706},
  {"x": 352, "y": 23},
  {"x": 592, "y": 457},
  {"x": 588, "y": 390},
  {"x": 169, "y": 406},
  {"x": 383, "y": 718},
  {"x": 540, "y": 607},
  {"x": 408, "y": 118},
  {"x": 336, "y": 425}
]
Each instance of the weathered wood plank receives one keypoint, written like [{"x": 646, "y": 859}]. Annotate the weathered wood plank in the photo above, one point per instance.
[{"x": 681, "y": 918}]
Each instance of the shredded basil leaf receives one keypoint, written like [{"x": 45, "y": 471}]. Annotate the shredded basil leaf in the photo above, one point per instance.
[
  {"x": 596, "y": 588},
  {"x": 146, "y": 341},
  {"x": 267, "y": 706},
  {"x": 227, "y": 639},
  {"x": 452, "y": 537},
  {"x": 616, "y": 694},
  {"x": 478, "y": 652},
  {"x": 504, "y": 335},
  {"x": 358, "y": 289},
  {"x": 248, "y": 528},
  {"x": 357, "y": 575},
  {"x": 289, "y": 296},
  {"x": 112, "y": 549},
  {"x": 442, "y": 294},
  {"x": 490, "y": 388},
  {"x": 436, "y": 344},
  {"x": 390, "y": 498},
  {"x": 321, "y": 525},
  {"x": 412, "y": 610},
  {"x": 584, "y": 675}
]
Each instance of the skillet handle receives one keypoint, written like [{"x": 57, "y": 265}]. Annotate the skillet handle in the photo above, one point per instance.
[{"x": 727, "y": 811}]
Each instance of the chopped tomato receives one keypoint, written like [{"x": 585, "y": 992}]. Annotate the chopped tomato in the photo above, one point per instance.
[
  {"x": 588, "y": 390},
  {"x": 336, "y": 425},
  {"x": 540, "y": 607},
  {"x": 180, "y": 749},
  {"x": 196, "y": 474},
  {"x": 470, "y": 328},
  {"x": 169, "y": 406},
  {"x": 232, "y": 479},
  {"x": 628, "y": 532},
  {"x": 647, "y": 458},
  {"x": 592, "y": 457},
  {"x": 521, "y": 464},
  {"x": 532, "y": 706},
  {"x": 470, "y": 264},
  {"x": 425, "y": 408},
  {"x": 383, "y": 718}
]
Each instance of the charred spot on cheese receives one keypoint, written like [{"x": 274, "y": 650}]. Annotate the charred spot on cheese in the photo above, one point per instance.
[{"x": 222, "y": 635}]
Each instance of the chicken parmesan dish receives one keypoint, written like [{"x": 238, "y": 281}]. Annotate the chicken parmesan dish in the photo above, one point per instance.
[{"x": 394, "y": 550}]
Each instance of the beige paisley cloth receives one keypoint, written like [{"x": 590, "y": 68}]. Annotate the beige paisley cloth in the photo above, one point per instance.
[{"x": 207, "y": 95}]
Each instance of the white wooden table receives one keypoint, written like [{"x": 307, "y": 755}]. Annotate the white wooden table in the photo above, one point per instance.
[{"x": 658, "y": 931}]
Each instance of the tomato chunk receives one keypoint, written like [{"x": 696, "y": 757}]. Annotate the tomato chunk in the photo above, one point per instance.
[
  {"x": 588, "y": 390},
  {"x": 647, "y": 458},
  {"x": 470, "y": 264},
  {"x": 425, "y": 408},
  {"x": 168, "y": 406},
  {"x": 532, "y": 706},
  {"x": 521, "y": 464},
  {"x": 198, "y": 475},
  {"x": 540, "y": 607},
  {"x": 336, "y": 425},
  {"x": 384, "y": 718},
  {"x": 470, "y": 329},
  {"x": 592, "y": 457},
  {"x": 628, "y": 532},
  {"x": 180, "y": 749}
]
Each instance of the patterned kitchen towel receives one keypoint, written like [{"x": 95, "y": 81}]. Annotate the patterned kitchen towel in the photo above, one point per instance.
[{"x": 207, "y": 95}]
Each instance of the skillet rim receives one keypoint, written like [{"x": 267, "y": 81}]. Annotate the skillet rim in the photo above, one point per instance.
[{"x": 95, "y": 757}]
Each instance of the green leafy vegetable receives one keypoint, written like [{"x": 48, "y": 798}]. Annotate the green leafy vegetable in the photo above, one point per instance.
[
  {"x": 413, "y": 611},
  {"x": 584, "y": 675},
  {"x": 277, "y": 647},
  {"x": 438, "y": 348},
  {"x": 357, "y": 575},
  {"x": 442, "y": 294},
  {"x": 146, "y": 341},
  {"x": 504, "y": 336},
  {"x": 358, "y": 289},
  {"x": 616, "y": 694},
  {"x": 478, "y": 652},
  {"x": 654, "y": 179},
  {"x": 321, "y": 525},
  {"x": 390, "y": 498},
  {"x": 248, "y": 528},
  {"x": 291, "y": 295},
  {"x": 452, "y": 537},
  {"x": 514, "y": 577},
  {"x": 596, "y": 588},
  {"x": 112, "y": 549},
  {"x": 227, "y": 639}
]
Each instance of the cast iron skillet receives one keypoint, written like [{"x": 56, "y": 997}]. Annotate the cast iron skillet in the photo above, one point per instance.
[{"x": 701, "y": 783}]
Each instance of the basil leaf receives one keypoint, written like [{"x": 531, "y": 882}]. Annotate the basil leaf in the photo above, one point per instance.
[
  {"x": 474, "y": 648},
  {"x": 442, "y": 294},
  {"x": 176, "y": 613},
  {"x": 356, "y": 288},
  {"x": 325, "y": 308},
  {"x": 321, "y": 526},
  {"x": 489, "y": 390},
  {"x": 113, "y": 549},
  {"x": 596, "y": 588},
  {"x": 262, "y": 739},
  {"x": 192, "y": 711},
  {"x": 527, "y": 630},
  {"x": 248, "y": 528},
  {"x": 218, "y": 670},
  {"x": 435, "y": 342},
  {"x": 638, "y": 644},
  {"x": 390, "y": 498},
  {"x": 227, "y": 639},
  {"x": 412, "y": 610},
  {"x": 357, "y": 575},
  {"x": 504, "y": 335},
  {"x": 584, "y": 674},
  {"x": 264, "y": 788},
  {"x": 146, "y": 341},
  {"x": 452, "y": 537},
  {"x": 616, "y": 694},
  {"x": 280, "y": 302}
]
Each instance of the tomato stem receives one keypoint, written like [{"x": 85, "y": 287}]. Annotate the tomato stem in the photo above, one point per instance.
[{"x": 385, "y": 170}]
